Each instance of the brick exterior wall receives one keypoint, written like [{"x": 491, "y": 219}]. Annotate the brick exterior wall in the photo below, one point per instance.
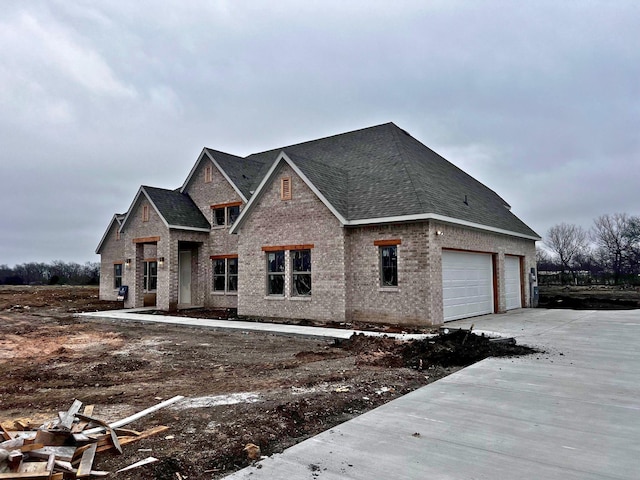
[
  {"x": 302, "y": 220},
  {"x": 205, "y": 194},
  {"x": 112, "y": 251}
]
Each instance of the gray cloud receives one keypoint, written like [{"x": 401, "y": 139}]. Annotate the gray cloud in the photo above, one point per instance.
[{"x": 538, "y": 100}]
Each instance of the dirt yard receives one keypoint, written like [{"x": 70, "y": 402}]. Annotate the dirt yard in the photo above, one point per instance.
[
  {"x": 241, "y": 387},
  {"x": 596, "y": 297}
]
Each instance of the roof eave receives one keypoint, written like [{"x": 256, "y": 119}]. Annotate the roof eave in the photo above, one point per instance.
[
  {"x": 441, "y": 218},
  {"x": 191, "y": 229}
]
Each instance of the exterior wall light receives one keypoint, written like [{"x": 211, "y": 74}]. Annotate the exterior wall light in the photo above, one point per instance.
[
  {"x": 161, "y": 262},
  {"x": 439, "y": 232},
  {"x": 127, "y": 263}
]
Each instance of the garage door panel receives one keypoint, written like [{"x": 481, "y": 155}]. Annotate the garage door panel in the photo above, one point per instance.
[{"x": 467, "y": 284}]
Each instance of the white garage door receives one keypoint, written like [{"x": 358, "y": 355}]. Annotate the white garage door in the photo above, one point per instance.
[
  {"x": 512, "y": 279},
  {"x": 467, "y": 284}
]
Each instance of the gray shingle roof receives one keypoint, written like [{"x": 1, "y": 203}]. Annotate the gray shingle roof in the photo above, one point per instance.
[
  {"x": 178, "y": 209},
  {"x": 243, "y": 172},
  {"x": 382, "y": 171}
]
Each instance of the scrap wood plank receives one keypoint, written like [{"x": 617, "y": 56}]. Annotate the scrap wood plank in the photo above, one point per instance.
[
  {"x": 114, "y": 436},
  {"x": 33, "y": 467},
  {"x": 136, "y": 416},
  {"x": 66, "y": 420},
  {"x": 12, "y": 444},
  {"x": 82, "y": 424},
  {"x": 84, "y": 470},
  {"x": 144, "y": 434},
  {"x": 62, "y": 453},
  {"x": 52, "y": 438},
  {"x": 145, "y": 461},
  {"x": 5, "y": 434},
  {"x": 32, "y": 476},
  {"x": 31, "y": 446}
]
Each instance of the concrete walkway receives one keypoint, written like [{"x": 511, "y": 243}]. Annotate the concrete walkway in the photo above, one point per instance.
[
  {"x": 139, "y": 315},
  {"x": 570, "y": 413}
]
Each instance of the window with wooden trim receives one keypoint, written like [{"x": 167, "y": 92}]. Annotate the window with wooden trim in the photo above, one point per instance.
[
  {"x": 117, "y": 275},
  {"x": 145, "y": 213},
  {"x": 225, "y": 215},
  {"x": 225, "y": 275},
  {"x": 275, "y": 272},
  {"x": 208, "y": 174},
  {"x": 285, "y": 188},
  {"x": 389, "y": 266},
  {"x": 301, "y": 272}
]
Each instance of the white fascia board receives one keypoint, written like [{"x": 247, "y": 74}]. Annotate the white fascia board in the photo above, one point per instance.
[
  {"x": 441, "y": 218},
  {"x": 191, "y": 229},
  {"x": 104, "y": 237},
  {"x": 282, "y": 157}
]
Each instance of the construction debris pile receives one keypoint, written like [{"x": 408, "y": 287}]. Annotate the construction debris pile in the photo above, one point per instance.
[{"x": 66, "y": 448}]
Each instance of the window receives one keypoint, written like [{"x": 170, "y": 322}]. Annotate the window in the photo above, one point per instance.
[
  {"x": 275, "y": 272},
  {"x": 208, "y": 177},
  {"x": 389, "y": 266},
  {"x": 219, "y": 217},
  {"x": 117, "y": 275},
  {"x": 145, "y": 213},
  {"x": 150, "y": 278},
  {"x": 301, "y": 268},
  {"x": 117, "y": 235},
  {"x": 225, "y": 274},
  {"x": 232, "y": 214},
  {"x": 225, "y": 214},
  {"x": 285, "y": 188}
]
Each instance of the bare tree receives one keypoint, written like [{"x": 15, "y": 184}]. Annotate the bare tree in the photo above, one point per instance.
[
  {"x": 567, "y": 242},
  {"x": 617, "y": 238}
]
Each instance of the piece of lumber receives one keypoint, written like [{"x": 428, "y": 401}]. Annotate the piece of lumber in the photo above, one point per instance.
[
  {"x": 114, "y": 436},
  {"x": 30, "y": 447},
  {"x": 52, "y": 438},
  {"x": 144, "y": 434},
  {"x": 67, "y": 419},
  {"x": 5, "y": 435},
  {"x": 32, "y": 475},
  {"x": 145, "y": 461},
  {"x": 126, "y": 432},
  {"x": 82, "y": 424},
  {"x": 14, "y": 459},
  {"x": 62, "y": 453},
  {"x": 84, "y": 469},
  {"x": 136, "y": 416},
  {"x": 50, "y": 462},
  {"x": 33, "y": 467},
  {"x": 12, "y": 444}
]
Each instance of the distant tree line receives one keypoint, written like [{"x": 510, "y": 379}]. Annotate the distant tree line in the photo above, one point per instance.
[
  {"x": 608, "y": 253},
  {"x": 54, "y": 273}
]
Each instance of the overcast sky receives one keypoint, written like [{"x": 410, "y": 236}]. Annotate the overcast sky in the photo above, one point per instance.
[{"x": 538, "y": 100}]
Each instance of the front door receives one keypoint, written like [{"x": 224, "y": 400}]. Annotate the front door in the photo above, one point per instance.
[{"x": 184, "y": 292}]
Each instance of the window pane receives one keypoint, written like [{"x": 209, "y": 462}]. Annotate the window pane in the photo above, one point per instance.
[
  {"x": 218, "y": 283},
  {"x": 218, "y": 267},
  {"x": 218, "y": 216},
  {"x": 233, "y": 283},
  {"x": 302, "y": 284},
  {"x": 301, "y": 260},
  {"x": 275, "y": 284},
  {"x": 275, "y": 261},
  {"x": 233, "y": 213},
  {"x": 233, "y": 266},
  {"x": 389, "y": 266}
]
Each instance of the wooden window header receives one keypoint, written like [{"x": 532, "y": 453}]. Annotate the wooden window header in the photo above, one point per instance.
[
  {"x": 285, "y": 188},
  {"x": 223, "y": 205},
  {"x": 146, "y": 240},
  {"x": 387, "y": 243},
  {"x": 119, "y": 262},
  {"x": 154, "y": 259},
  {"x": 223, "y": 257},
  {"x": 275, "y": 248}
]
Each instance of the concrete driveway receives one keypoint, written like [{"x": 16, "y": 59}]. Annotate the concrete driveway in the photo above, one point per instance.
[{"x": 572, "y": 412}]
